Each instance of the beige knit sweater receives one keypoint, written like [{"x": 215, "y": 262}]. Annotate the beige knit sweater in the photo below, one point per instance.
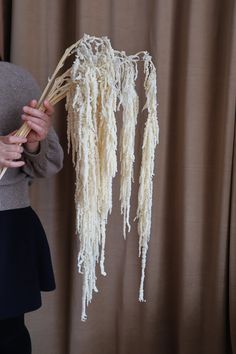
[{"x": 17, "y": 88}]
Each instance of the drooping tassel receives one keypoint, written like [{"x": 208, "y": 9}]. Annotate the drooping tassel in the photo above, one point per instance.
[
  {"x": 150, "y": 140},
  {"x": 130, "y": 104},
  {"x": 95, "y": 145},
  {"x": 105, "y": 80}
]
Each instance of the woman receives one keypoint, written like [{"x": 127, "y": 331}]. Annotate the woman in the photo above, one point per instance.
[{"x": 25, "y": 261}]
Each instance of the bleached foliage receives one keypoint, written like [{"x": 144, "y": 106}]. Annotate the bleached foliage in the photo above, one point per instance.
[{"x": 104, "y": 79}]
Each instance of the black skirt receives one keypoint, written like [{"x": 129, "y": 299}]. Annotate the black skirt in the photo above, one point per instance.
[{"x": 25, "y": 262}]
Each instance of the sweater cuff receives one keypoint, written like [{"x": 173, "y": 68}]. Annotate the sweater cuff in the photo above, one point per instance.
[{"x": 40, "y": 154}]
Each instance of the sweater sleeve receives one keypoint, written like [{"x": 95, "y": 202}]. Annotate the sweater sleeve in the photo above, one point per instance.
[{"x": 47, "y": 161}]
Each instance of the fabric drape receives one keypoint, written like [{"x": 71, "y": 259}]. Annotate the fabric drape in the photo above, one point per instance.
[
  {"x": 191, "y": 268},
  {"x": 1, "y": 31},
  {"x": 5, "y": 28}
]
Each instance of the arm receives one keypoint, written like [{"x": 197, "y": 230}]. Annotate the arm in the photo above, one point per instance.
[{"x": 42, "y": 152}]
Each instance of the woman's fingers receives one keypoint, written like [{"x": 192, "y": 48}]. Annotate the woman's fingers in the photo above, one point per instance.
[
  {"x": 49, "y": 109},
  {"x": 39, "y": 128},
  {"x": 7, "y": 159},
  {"x": 31, "y": 110},
  {"x": 11, "y": 139},
  {"x": 34, "y": 112},
  {"x": 40, "y": 131},
  {"x": 11, "y": 150},
  {"x": 37, "y": 121},
  {"x": 11, "y": 164},
  {"x": 12, "y": 155},
  {"x": 33, "y": 103}
]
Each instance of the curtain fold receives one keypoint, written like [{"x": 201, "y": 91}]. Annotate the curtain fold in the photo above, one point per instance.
[
  {"x": 5, "y": 29},
  {"x": 1, "y": 31},
  {"x": 190, "y": 282},
  {"x": 231, "y": 305}
]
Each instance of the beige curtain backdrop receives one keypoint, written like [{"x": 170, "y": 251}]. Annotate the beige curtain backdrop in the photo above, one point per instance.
[
  {"x": 191, "y": 269},
  {"x": 1, "y": 32}
]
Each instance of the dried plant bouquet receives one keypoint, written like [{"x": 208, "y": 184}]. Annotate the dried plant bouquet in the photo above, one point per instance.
[{"x": 100, "y": 81}]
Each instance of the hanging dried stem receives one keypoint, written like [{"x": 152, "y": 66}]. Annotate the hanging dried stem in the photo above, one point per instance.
[
  {"x": 104, "y": 81},
  {"x": 92, "y": 134},
  {"x": 150, "y": 140},
  {"x": 130, "y": 103}
]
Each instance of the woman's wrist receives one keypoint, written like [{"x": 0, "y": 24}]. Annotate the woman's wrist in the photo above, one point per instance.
[{"x": 32, "y": 148}]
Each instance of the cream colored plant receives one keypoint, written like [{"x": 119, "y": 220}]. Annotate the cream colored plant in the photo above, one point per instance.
[{"x": 100, "y": 81}]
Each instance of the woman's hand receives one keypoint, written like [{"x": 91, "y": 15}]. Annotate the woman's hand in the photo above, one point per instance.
[
  {"x": 10, "y": 150},
  {"x": 39, "y": 123}
]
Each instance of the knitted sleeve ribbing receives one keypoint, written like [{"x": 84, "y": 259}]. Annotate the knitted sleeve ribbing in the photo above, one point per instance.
[{"x": 47, "y": 161}]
